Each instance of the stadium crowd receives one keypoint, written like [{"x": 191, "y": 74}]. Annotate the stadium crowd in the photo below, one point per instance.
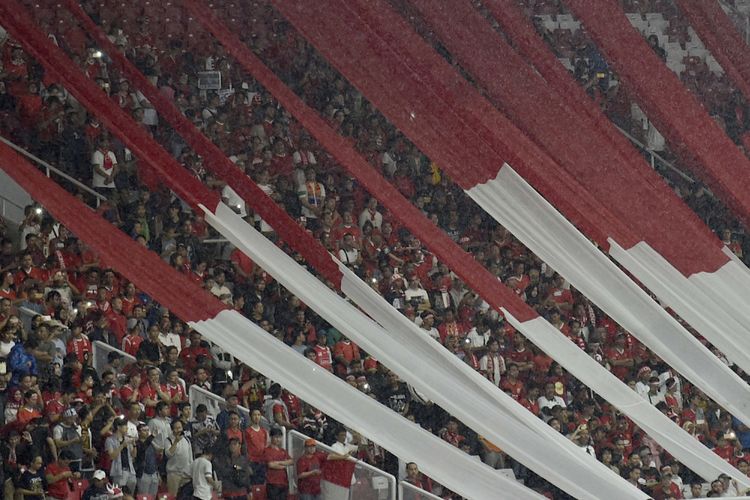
[{"x": 74, "y": 427}]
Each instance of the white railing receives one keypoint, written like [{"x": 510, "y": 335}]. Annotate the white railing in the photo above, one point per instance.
[
  {"x": 214, "y": 403},
  {"x": 655, "y": 158},
  {"x": 10, "y": 210},
  {"x": 49, "y": 169},
  {"x": 100, "y": 353},
  {"x": 368, "y": 481},
  {"x": 407, "y": 491}
]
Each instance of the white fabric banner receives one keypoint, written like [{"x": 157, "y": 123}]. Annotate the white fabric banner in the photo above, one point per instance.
[
  {"x": 688, "y": 298},
  {"x": 564, "y": 465},
  {"x": 255, "y": 347},
  {"x": 536, "y": 223}
]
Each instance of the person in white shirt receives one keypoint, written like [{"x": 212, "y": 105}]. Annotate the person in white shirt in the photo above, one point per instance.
[
  {"x": 370, "y": 214},
  {"x": 492, "y": 364},
  {"x": 159, "y": 426},
  {"x": 655, "y": 394},
  {"x": 104, "y": 163},
  {"x": 550, "y": 399},
  {"x": 202, "y": 473},
  {"x": 179, "y": 459}
]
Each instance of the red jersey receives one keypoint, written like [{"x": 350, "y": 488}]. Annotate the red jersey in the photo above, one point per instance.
[
  {"x": 516, "y": 389},
  {"x": 148, "y": 392},
  {"x": 81, "y": 346},
  {"x": 306, "y": 463},
  {"x": 174, "y": 390},
  {"x": 614, "y": 354},
  {"x": 61, "y": 488},
  {"x": 131, "y": 343},
  {"x": 323, "y": 357},
  {"x": 256, "y": 441},
  {"x": 276, "y": 477},
  {"x": 350, "y": 352}
]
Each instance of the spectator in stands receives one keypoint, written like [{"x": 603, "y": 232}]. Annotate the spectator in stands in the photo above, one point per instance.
[
  {"x": 277, "y": 460},
  {"x": 234, "y": 470},
  {"x": 179, "y": 455}
]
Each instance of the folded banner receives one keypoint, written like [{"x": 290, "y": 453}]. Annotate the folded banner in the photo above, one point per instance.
[
  {"x": 680, "y": 287},
  {"x": 254, "y": 346}
]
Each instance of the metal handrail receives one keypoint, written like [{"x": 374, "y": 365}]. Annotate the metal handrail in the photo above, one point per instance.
[
  {"x": 656, "y": 156},
  {"x": 49, "y": 168}
]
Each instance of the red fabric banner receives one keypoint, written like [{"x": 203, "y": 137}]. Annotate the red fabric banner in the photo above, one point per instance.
[
  {"x": 447, "y": 251},
  {"x": 468, "y": 138},
  {"x": 135, "y": 262},
  {"x": 678, "y": 115},
  {"x": 18, "y": 23},
  {"x": 564, "y": 134},
  {"x": 215, "y": 159},
  {"x": 720, "y": 37}
]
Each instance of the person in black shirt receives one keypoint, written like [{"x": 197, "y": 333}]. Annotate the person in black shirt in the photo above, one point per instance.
[
  {"x": 32, "y": 483},
  {"x": 149, "y": 351},
  {"x": 396, "y": 395}
]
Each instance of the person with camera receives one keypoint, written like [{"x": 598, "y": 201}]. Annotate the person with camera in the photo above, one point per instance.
[
  {"x": 234, "y": 470},
  {"x": 121, "y": 451},
  {"x": 147, "y": 465},
  {"x": 179, "y": 459}
]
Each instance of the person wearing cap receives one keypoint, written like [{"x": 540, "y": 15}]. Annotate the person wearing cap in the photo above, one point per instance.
[
  {"x": 277, "y": 460},
  {"x": 642, "y": 385},
  {"x": 309, "y": 467},
  {"x": 67, "y": 436},
  {"x": 234, "y": 470},
  {"x": 98, "y": 487},
  {"x": 232, "y": 406}
]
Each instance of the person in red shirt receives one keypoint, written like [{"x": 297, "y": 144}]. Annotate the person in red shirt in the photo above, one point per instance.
[
  {"x": 666, "y": 489},
  {"x": 521, "y": 356},
  {"x": 116, "y": 320},
  {"x": 152, "y": 392},
  {"x": 347, "y": 356},
  {"x": 193, "y": 354},
  {"x": 132, "y": 341},
  {"x": 323, "y": 354},
  {"x": 175, "y": 391},
  {"x": 130, "y": 392},
  {"x": 309, "y": 468},
  {"x": 59, "y": 476},
  {"x": 530, "y": 401},
  {"x": 256, "y": 438},
  {"x": 28, "y": 271},
  {"x": 620, "y": 358},
  {"x": 277, "y": 460},
  {"x": 511, "y": 384},
  {"x": 80, "y": 345}
]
